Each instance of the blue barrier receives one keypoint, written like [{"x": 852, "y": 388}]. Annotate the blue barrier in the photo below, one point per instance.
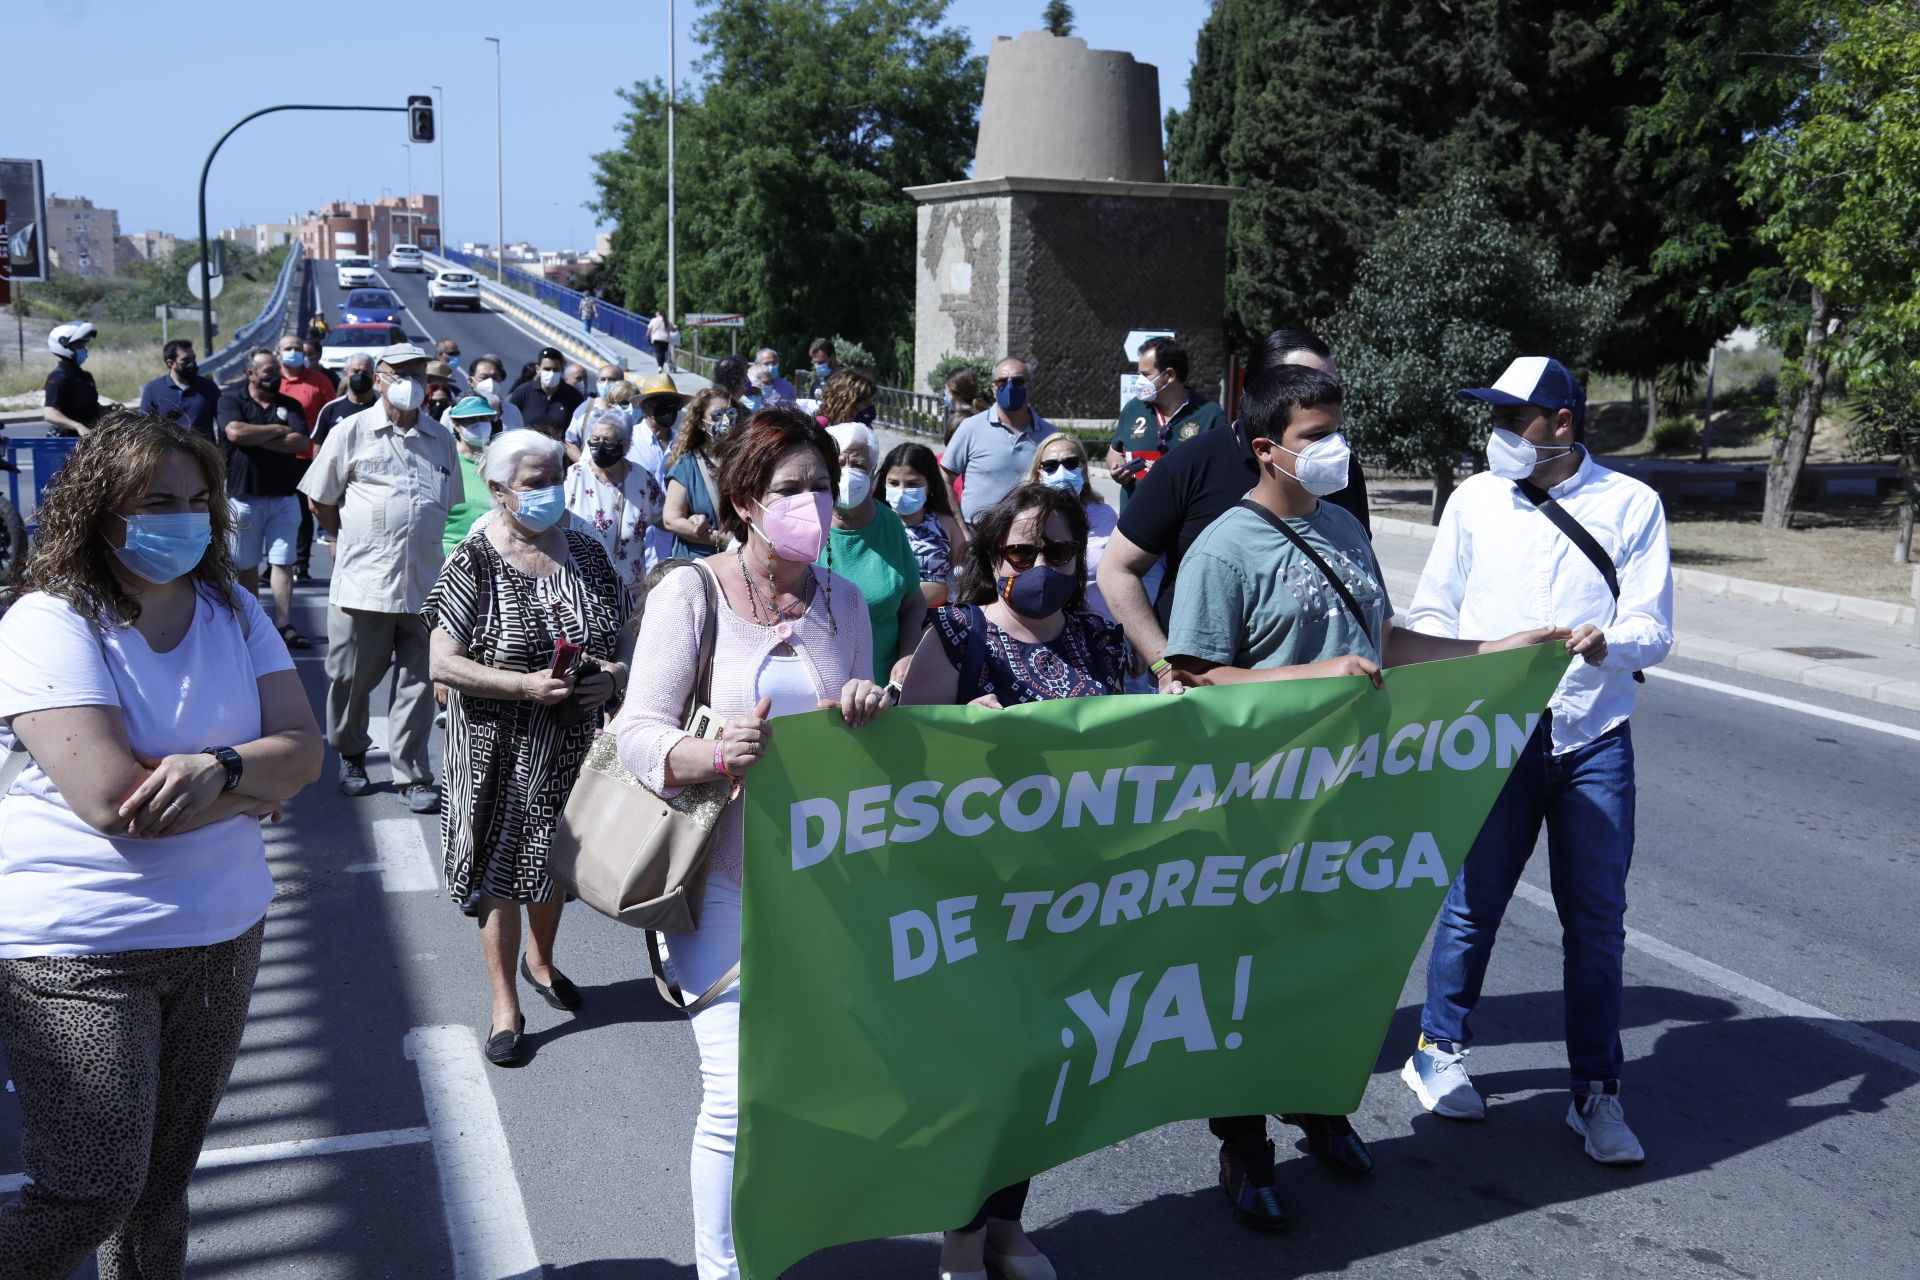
[
  {"x": 616, "y": 322},
  {"x": 37, "y": 462}
]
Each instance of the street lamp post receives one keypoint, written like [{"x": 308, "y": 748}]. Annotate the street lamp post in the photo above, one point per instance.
[
  {"x": 440, "y": 148},
  {"x": 499, "y": 187},
  {"x": 672, "y": 75}
]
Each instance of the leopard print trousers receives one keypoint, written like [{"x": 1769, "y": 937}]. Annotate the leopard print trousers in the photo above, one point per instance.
[{"x": 119, "y": 1061}]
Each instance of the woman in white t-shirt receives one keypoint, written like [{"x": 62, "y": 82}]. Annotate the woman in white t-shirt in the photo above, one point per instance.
[{"x": 133, "y": 880}]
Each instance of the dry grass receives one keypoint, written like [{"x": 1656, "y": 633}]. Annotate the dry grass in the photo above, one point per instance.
[
  {"x": 1844, "y": 545},
  {"x": 118, "y": 371}
]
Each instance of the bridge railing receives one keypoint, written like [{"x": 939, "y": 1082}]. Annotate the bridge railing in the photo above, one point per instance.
[
  {"x": 617, "y": 322},
  {"x": 266, "y": 326}
]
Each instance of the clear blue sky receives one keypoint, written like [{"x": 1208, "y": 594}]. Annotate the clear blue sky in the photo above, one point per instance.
[{"x": 132, "y": 133}]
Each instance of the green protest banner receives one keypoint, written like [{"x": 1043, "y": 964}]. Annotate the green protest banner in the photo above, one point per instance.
[{"x": 979, "y": 944}]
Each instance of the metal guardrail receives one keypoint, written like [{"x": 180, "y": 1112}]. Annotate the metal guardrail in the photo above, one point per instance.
[
  {"x": 267, "y": 325},
  {"x": 914, "y": 412},
  {"x": 506, "y": 298},
  {"x": 616, "y": 322}
]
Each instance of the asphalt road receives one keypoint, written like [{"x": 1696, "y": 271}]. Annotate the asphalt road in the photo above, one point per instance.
[{"x": 477, "y": 332}]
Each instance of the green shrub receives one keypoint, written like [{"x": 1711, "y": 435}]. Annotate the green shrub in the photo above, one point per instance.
[
  {"x": 1673, "y": 435},
  {"x": 981, "y": 366}
]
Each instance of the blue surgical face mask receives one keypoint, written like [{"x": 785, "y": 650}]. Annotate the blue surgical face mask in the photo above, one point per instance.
[
  {"x": 1012, "y": 396},
  {"x": 541, "y": 509},
  {"x": 1072, "y": 481},
  {"x": 293, "y": 359},
  {"x": 905, "y": 501},
  {"x": 823, "y": 369},
  {"x": 79, "y": 355},
  {"x": 161, "y": 548}
]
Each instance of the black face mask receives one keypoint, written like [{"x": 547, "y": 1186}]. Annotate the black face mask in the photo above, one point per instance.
[
  {"x": 269, "y": 382},
  {"x": 436, "y": 407},
  {"x": 359, "y": 383},
  {"x": 605, "y": 455}
]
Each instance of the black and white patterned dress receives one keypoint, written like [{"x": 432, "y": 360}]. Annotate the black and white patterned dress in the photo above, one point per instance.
[{"x": 510, "y": 766}]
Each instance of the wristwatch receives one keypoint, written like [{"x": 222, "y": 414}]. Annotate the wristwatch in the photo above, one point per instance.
[{"x": 230, "y": 761}]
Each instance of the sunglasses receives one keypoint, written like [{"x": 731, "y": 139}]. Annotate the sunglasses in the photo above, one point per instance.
[
  {"x": 1021, "y": 555},
  {"x": 1020, "y": 381},
  {"x": 1052, "y": 465}
]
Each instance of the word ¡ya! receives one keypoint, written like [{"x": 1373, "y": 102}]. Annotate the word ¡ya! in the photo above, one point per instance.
[
  {"x": 882, "y": 815},
  {"x": 920, "y": 939}
]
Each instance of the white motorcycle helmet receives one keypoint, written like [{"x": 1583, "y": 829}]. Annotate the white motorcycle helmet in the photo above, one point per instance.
[{"x": 62, "y": 339}]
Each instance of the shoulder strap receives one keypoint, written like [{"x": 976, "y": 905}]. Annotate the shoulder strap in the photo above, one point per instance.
[
  {"x": 706, "y": 478},
  {"x": 976, "y": 660},
  {"x": 10, "y": 769},
  {"x": 701, "y": 695},
  {"x": 1576, "y": 532},
  {"x": 670, "y": 990},
  {"x": 1304, "y": 548}
]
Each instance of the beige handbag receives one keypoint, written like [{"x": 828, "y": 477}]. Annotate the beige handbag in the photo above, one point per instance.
[{"x": 637, "y": 857}]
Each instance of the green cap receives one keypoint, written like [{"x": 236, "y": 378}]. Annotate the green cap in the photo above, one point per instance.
[{"x": 471, "y": 407}]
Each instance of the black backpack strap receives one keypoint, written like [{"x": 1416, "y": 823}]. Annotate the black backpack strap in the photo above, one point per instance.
[
  {"x": 1333, "y": 579},
  {"x": 976, "y": 660},
  {"x": 1577, "y": 534}
]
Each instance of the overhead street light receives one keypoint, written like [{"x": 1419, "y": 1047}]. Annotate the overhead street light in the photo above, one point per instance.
[
  {"x": 499, "y": 186},
  {"x": 440, "y": 148}
]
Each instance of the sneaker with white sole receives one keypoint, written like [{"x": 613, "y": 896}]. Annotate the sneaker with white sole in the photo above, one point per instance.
[
  {"x": 1598, "y": 1117},
  {"x": 1437, "y": 1074}
]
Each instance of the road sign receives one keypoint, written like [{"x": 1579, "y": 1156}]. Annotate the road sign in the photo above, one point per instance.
[
  {"x": 23, "y": 190},
  {"x": 170, "y": 311},
  {"x": 194, "y": 285},
  {"x": 1139, "y": 338},
  {"x": 715, "y": 320}
]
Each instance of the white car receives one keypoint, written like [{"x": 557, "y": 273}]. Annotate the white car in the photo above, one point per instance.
[
  {"x": 405, "y": 257},
  {"x": 355, "y": 272},
  {"x": 453, "y": 288}
]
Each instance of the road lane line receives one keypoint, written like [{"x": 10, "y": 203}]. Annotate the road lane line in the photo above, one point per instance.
[
  {"x": 297, "y": 1149},
  {"x": 1756, "y": 992},
  {"x": 486, "y": 1214},
  {"x": 400, "y": 856},
  {"x": 1789, "y": 704}
]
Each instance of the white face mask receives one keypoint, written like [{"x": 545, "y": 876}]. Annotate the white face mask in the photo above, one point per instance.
[
  {"x": 1512, "y": 456},
  {"x": 855, "y": 485},
  {"x": 405, "y": 394},
  {"x": 1322, "y": 466},
  {"x": 549, "y": 379},
  {"x": 484, "y": 386},
  {"x": 1145, "y": 388}
]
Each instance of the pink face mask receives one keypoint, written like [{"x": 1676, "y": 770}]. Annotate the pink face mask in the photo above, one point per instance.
[{"x": 796, "y": 526}]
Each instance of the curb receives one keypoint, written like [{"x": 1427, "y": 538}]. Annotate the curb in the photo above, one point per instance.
[
  {"x": 1771, "y": 663},
  {"x": 1881, "y": 613}
]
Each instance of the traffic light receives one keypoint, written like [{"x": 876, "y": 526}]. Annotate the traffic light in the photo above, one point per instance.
[{"x": 419, "y": 118}]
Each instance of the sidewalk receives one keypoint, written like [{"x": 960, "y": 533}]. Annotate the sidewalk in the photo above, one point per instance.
[{"x": 1877, "y": 662}]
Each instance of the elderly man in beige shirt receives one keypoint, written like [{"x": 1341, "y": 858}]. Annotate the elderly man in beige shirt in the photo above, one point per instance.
[{"x": 382, "y": 485}]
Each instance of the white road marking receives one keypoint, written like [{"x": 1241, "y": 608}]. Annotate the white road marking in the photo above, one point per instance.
[
  {"x": 1756, "y": 992},
  {"x": 379, "y": 734},
  {"x": 1772, "y": 700},
  {"x": 400, "y": 856},
  {"x": 297, "y": 1149},
  {"x": 486, "y": 1215}
]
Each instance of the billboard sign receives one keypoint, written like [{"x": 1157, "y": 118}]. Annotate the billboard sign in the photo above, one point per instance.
[{"x": 24, "y": 190}]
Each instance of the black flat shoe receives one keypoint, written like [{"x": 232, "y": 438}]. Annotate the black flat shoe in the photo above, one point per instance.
[
  {"x": 561, "y": 995},
  {"x": 503, "y": 1047},
  {"x": 1332, "y": 1141}
]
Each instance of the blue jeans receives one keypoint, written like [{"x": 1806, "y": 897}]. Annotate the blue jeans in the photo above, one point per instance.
[{"x": 1585, "y": 797}]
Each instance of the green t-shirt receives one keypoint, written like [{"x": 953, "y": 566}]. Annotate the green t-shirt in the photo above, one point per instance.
[
  {"x": 1140, "y": 435},
  {"x": 878, "y": 559},
  {"x": 473, "y": 504},
  {"x": 1249, "y": 599}
]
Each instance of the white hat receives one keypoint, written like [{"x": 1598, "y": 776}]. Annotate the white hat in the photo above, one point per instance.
[
  {"x": 848, "y": 434},
  {"x": 400, "y": 353},
  {"x": 63, "y": 338}
]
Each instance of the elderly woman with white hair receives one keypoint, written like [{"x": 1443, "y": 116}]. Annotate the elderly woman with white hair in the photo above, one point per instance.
[
  {"x": 519, "y": 723},
  {"x": 612, "y": 498},
  {"x": 868, "y": 546}
]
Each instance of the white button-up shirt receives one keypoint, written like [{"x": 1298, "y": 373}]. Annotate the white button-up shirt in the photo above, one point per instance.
[
  {"x": 1499, "y": 565},
  {"x": 394, "y": 489}
]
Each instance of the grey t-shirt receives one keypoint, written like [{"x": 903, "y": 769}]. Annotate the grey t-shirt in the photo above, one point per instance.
[
  {"x": 1249, "y": 599},
  {"x": 991, "y": 459}
]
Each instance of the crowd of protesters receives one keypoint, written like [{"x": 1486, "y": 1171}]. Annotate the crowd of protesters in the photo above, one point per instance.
[{"x": 478, "y": 530}]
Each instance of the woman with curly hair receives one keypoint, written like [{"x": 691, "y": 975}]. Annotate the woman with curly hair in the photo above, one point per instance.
[
  {"x": 848, "y": 397},
  {"x": 133, "y": 880},
  {"x": 693, "y": 508}
]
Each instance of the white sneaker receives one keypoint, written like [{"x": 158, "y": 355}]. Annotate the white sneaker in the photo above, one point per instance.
[
  {"x": 1599, "y": 1118},
  {"x": 1437, "y": 1074}
]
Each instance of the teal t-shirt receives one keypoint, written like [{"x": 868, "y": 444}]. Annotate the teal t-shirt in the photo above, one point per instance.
[
  {"x": 1249, "y": 599},
  {"x": 474, "y": 501},
  {"x": 878, "y": 559}
]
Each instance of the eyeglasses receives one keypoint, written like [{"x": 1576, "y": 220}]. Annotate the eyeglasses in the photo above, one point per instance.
[
  {"x": 1018, "y": 381},
  {"x": 1052, "y": 465},
  {"x": 1021, "y": 555}
]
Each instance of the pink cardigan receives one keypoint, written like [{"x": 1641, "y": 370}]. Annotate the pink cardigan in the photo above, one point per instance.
[{"x": 651, "y": 725}]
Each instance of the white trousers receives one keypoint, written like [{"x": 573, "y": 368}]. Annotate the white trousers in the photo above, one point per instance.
[{"x": 699, "y": 958}]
